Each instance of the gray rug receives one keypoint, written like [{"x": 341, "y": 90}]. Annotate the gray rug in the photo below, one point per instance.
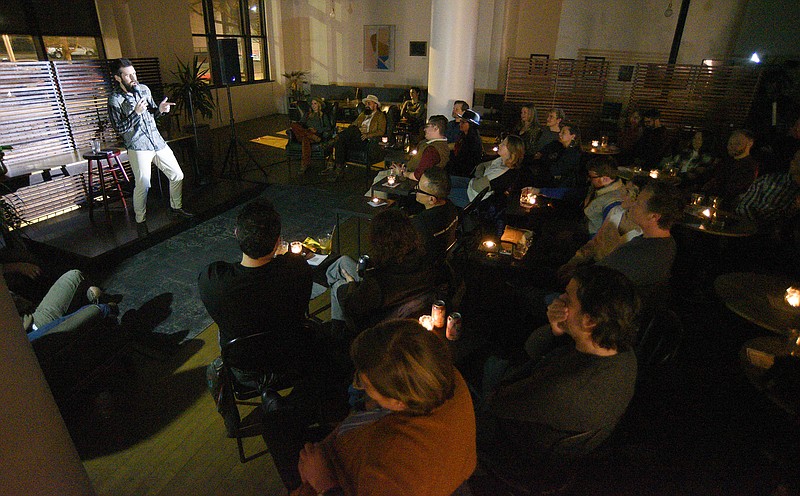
[{"x": 171, "y": 267}]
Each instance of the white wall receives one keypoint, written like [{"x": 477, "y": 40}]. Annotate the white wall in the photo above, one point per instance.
[
  {"x": 640, "y": 25},
  {"x": 770, "y": 27}
]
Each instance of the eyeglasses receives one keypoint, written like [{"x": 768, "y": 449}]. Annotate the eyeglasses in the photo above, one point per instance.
[{"x": 417, "y": 190}]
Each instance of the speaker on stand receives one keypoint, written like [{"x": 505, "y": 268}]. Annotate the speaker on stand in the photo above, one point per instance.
[{"x": 230, "y": 72}]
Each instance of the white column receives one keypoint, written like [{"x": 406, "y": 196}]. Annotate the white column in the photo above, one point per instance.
[{"x": 451, "y": 59}]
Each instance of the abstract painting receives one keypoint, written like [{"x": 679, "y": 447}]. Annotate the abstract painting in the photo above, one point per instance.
[{"x": 379, "y": 48}]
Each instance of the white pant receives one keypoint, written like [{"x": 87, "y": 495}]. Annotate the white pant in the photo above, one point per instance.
[{"x": 141, "y": 161}]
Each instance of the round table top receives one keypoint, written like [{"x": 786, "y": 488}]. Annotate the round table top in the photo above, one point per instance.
[
  {"x": 603, "y": 150},
  {"x": 731, "y": 225},
  {"x": 104, "y": 153},
  {"x": 758, "y": 298},
  {"x": 756, "y": 357}
]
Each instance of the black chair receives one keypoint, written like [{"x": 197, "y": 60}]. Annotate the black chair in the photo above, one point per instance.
[
  {"x": 660, "y": 339},
  {"x": 371, "y": 153},
  {"x": 319, "y": 151},
  {"x": 247, "y": 376}
]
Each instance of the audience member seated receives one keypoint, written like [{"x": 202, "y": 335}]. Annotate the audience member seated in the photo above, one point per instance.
[
  {"x": 433, "y": 152},
  {"x": 437, "y": 222},
  {"x": 468, "y": 150},
  {"x": 417, "y": 433},
  {"x": 371, "y": 123},
  {"x": 413, "y": 112},
  {"x": 69, "y": 306},
  {"x": 774, "y": 197},
  {"x": 557, "y": 163},
  {"x": 735, "y": 174},
  {"x": 617, "y": 229},
  {"x": 696, "y": 157},
  {"x": 494, "y": 174},
  {"x": 583, "y": 387},
  {"x": 314, "y": 127},
  {"x": 647, "y": 259},
  {"x": 453, "y": 129},
  {"x": 654, "y": 143},
  {"x": 605, "y": 191},
  {"x": 630, "y": 131},
  {"x": 398, "y": 275},
  {"x": 265, "y": 292},
  {"x": 550, "y": 132},
  {"x": 528, "y": 128}
]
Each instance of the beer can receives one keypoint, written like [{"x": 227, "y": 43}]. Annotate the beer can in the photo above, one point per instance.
[
  {"x": 453, "y": 326},
  {"x": 438, "y": 312}
]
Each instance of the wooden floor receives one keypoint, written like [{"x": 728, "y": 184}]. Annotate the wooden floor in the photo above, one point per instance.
[{"x": 189, "y": 452}]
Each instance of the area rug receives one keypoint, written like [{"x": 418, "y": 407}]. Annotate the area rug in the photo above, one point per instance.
[
  {"x": 273, "y": 141},
  {"x": 163, "y": 278}
]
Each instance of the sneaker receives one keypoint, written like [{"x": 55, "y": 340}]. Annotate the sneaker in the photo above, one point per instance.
[{"x": 142, "y": 230}]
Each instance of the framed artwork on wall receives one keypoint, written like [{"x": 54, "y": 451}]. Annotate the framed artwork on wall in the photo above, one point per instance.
[{"x": 379, "y": 48}]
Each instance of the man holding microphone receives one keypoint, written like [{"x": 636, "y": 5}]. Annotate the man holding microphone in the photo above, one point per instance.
[{"x": 132, "y": 112}]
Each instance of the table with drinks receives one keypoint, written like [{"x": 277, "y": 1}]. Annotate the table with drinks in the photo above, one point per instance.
[{"x": 704, "y": 215}]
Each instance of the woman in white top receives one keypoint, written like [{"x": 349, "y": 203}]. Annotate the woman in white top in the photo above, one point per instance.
[{"x": 492, "y": 174}]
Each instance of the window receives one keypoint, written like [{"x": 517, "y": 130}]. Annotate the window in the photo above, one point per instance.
[{"x": 241, "y": 20}]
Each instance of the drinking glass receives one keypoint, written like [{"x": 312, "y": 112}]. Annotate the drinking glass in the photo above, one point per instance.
[
  {"x": 325, "y": 242},
  {"x": 95, "y": 146}
]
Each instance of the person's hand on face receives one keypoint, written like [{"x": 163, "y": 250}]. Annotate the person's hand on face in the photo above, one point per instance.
[{"x": 557, "y": 314}]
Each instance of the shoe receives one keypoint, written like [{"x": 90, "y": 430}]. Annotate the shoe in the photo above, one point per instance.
[
  {"x": 142, "y": 230},
  {"x": 97, "y": 295},
  {"x": 180, "y": 213}
]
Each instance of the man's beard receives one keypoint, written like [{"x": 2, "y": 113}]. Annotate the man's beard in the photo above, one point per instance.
[
  {"x": 367, "y": 111},
  {"x": 128, "y": 88}
]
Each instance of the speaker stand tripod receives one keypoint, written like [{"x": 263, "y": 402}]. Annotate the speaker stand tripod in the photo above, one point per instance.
[{"x": 231, "y": 161}]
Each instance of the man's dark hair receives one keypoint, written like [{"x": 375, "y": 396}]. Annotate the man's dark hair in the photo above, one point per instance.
[
  {"x": 393, "y": 238},
  {"x": 604, "y": 165},
  {"x": 464, "y": 105},
  {"x": 415, "y": 88},
  {"x": 609, "y": 298},
  {"x": 746, "y": 133},
  {"x": 258, "y": 227},
  {"x": 666, "y": 201},
  {"x": 119, "y": 64},
  {"x": 652, "y": 113},
  {"x": 440, "y": 122},
  {"x": 439, "y": 182}
]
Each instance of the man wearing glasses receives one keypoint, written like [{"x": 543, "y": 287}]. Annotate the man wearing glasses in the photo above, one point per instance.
[
  {"x": 432, "y": 152},
  {"x": 437, "y": 223}
]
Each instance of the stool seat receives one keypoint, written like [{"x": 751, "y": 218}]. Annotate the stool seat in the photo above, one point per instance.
[{"x": 95, "y": 159}]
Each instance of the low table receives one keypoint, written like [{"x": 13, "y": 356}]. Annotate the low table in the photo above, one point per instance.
[{"x": 758, "y": 298}]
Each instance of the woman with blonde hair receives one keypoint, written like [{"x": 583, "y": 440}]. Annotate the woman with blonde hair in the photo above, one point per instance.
[
  {"x": 314, "y": 127},
  {"x": 417, "y": 434},
  {"x": 493, "y": 174}
]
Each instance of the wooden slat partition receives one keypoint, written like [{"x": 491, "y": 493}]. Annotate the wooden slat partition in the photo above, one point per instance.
[
  {"x": 577, "y": 87},
  {"x": 696, "y": 96},
  {"x": 619, "y": 90}
]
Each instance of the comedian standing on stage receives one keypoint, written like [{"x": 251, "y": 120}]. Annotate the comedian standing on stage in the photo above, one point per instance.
[{"x": 132, "y": 112}]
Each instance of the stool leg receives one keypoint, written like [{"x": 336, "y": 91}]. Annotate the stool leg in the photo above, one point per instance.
[
  {"x": 101, "y": 175},
  {"x": 119, "y": 164},
  {"x": 113, "y": 170},
  {"x": 89, "y": 191}
]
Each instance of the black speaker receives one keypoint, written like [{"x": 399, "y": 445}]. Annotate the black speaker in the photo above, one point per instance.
[{"x": 229, "y": 70}]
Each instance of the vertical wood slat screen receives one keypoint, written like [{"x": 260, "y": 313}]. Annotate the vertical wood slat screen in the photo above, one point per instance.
[
  {"x": 577, "y": 87},
  {"x": 51, "y": 108},
  {"x": 617, "y": 90},
  {"x": 696, "y": 96}
]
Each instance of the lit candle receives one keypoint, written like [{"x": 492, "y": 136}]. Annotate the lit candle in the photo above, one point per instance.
[
  {"x": 297, "y": 247},
  {"x": 595, "y": 144},
  {"x": 385, "y": 139},
  {"x": 707, "y": 213},
  {"x": 376, "y": 200},
  {"x": 494, "y": 149},
  {"x": 414, "y": 151},
  {"x": 391, "y": 179},
  {"x": 792, "y": 296},
  {"x": 654, "y": 174},
  {"x": 427, "y": 322},
  {"x": 489, "y": 244}
]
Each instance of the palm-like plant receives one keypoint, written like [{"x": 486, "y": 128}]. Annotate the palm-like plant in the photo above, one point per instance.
[
  {"x": 295, "y": 81},
  {"x": 192, "y": 85}
]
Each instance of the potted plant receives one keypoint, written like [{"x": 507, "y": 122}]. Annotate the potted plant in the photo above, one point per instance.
[
  {"x": 192, "y": 90},
  {"x": 296, "y": 82}
]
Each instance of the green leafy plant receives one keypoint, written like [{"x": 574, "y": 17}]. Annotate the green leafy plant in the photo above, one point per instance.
[
  {"x": 192, "y": 82},
  {"x": 296, "y": 82}
]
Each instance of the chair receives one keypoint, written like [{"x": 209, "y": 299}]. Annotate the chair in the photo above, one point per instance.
[
  {"x": 660, "y": 338},
  {"x": 247, "y": 376},
  {"x": 319, "y": 151},
  {"x": 368, "y": 155}
]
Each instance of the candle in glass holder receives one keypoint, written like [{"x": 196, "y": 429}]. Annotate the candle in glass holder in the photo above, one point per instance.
[
  {"x": 385, "y": 139},
  {"x": 495, "y": 148},
  {"x": 654, "y": 173},
  {"x": 792, "y": 296},
  {"x": 489, "y": 244},
  {"x": 706, "y": 213},
  {"x": 604, "y": 141},
  {"x": 391, "y": 179},
  {"x": 297, "y": 247},
  {"x": 426, "y": 321},
  {"x": 414, "y": 151},
  {"x": 595, "y": 143}
]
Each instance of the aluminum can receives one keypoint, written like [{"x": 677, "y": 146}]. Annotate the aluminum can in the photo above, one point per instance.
[
  {"x": 453, "y": 326},
  {"x": 438, "y": 312}
]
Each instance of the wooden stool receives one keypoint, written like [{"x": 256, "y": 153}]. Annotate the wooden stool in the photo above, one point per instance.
[{"x": 97, "y": 158}]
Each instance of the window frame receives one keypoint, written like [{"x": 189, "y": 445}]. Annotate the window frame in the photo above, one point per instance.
[{"x": 248, "y": 68}]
